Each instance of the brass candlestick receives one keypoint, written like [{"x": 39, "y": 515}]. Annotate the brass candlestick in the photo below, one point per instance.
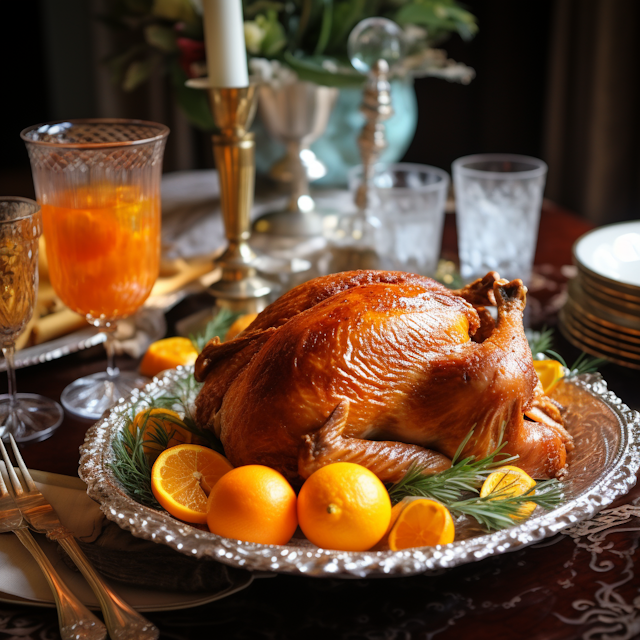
[{"x": 239, "y": 287}]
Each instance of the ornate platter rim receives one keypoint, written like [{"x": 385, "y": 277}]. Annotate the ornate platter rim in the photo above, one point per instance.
[{"x": 150, "y": 524}]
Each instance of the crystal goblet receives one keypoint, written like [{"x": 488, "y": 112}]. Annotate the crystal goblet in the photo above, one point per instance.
[
  {"x": 27, "y": 416},
  {"x": 98, "y": 182}
]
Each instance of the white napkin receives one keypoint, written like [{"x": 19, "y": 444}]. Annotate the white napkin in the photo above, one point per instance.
[{"x": 20, "y": 575}]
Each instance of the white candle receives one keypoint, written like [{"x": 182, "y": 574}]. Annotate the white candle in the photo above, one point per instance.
[{"x": 224, "y": 43}]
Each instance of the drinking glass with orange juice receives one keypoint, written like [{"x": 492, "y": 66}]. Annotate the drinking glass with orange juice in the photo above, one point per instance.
[{"x": 98, "y": 183}]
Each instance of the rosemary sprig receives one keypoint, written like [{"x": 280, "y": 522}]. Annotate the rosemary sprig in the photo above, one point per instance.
[
  {"x": 448, "y": 486},
  {"x": 583, "y": 364},
  {"x": 498, "y": 511},
  {"x": 182, "y": 402},
  {"x": 131, "y": 466},
  {"x": 216, "y": 327},
  {"x": 540, "y": 341},
  {"x": 495, "y": 511}
]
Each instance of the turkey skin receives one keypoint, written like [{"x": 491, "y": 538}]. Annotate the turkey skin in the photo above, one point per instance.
[{"x": 385, "y": 369}]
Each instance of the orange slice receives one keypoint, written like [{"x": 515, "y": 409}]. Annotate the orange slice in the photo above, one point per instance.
[
  {"x": 182, "y": 479},
  {"x": 421, "y": 523},
  {"x": 550, "y": 373},
  {"x": 239, "y": 325},
  {"x": 510, "y": 481},
  {"x": 163, "y": 428},
  {"x": 167, "y": 354}
]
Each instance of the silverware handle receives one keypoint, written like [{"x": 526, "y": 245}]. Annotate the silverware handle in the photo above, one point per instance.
[
  {"x": 123, "y": 622},
  {"x": 76, "y": 621}
]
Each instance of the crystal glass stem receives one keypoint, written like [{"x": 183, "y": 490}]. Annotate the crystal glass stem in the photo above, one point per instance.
[
  {"x": 109, "y": 347},
  {"x": 9, "y": 350}
]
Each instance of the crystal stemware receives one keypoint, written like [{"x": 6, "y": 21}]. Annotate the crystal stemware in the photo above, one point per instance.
[
  {"x": 29, "y": 417},
  {"x": 98, "y": 182}
]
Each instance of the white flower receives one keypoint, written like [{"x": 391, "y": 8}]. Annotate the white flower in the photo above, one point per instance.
[{"x": 253, "y": 36}]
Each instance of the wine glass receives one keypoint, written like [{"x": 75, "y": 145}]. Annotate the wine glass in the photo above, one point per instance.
[
  {"x": 27, "y": 416},
  {"x": 98, "y": 182}
]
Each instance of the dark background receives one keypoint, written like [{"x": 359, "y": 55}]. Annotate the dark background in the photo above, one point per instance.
[
  {"x": 501, "y": 110},
  {"x": 51, "y": 56}
]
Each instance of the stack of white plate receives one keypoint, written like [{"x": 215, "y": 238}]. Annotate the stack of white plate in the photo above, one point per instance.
[{"x": 602, "y": 313}]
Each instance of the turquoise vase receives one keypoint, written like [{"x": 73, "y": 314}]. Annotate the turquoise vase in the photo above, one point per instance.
[{"x": 338, "y": 146}]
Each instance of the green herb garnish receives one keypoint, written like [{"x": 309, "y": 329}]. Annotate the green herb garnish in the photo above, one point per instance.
[
  {"x": 583, "y": 364},
  {"x": 130, "y": 464},
  {"x": 217, "y": 327},
  {"x": 465, "y": 477},
  {"x": 448, "y": 486},
  {"x": 496, "y": 512},
  {"x": 542, "y": 341}
]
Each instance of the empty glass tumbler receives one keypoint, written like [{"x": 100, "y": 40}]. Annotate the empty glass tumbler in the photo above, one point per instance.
[
  {"x": 498, "y": 201},
  {"x": 27, "y": 416},
  {"x": 402, "y": 226}
]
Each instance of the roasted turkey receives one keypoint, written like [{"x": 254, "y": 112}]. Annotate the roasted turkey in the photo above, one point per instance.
[{"x": 384, "y": 369}]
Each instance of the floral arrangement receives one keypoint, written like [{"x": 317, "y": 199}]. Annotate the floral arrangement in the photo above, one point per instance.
[{"x": 307, "y": 36}]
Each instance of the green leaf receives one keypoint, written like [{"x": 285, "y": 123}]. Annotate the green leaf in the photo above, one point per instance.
[
  {"x": 160, "y": 37},
  {"x": 346, "y": 15},
  {"x": 216, "y": 328},
  {"x": 174, "y": 10},
  {"x": 274, "y": 39},
  {"x": 193, "y": 102},
  {"x": 540, "y": 341},
  {"x": 253, "y": 9},
  {"x": 137, "y": 73},
  {"x": 314, "y": 72},
  {"x": 325, "y": 29},
  {"x": 140, "y": 7},
  {"x": 117, "y": 64},
  {"x": 438, "y": 16}
]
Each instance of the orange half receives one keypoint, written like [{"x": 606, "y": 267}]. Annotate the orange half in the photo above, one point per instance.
[
  {"x": 167, "y": 354},
  {"x": 510, "y": 481},
  {"x": 421, "y": 523},
  {"x": 182, "y": 478},
  {"x": 550, "y": 373}
]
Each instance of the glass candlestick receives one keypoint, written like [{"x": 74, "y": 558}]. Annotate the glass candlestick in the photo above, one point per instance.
[{"x": 359, "y": 240}]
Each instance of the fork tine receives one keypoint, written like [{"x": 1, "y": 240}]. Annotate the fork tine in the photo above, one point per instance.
[
  {"x": 31, "y": 485},
  {"x": 15, "y": 481},
  {"x": 3, "y": 488}
]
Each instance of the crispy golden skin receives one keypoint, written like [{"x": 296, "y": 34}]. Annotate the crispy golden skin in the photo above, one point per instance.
[{"x": 384, "y": 369}]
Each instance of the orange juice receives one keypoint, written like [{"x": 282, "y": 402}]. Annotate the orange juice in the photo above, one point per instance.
[{"x": 103, "y": 248}]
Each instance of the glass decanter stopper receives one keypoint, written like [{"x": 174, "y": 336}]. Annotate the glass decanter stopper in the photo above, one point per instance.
[{"x": 358, "y": 240}]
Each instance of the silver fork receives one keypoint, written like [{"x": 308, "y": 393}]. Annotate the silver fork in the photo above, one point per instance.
[
  {"x": 76, "y": 621},
  {"x": 123, "y": 622}
]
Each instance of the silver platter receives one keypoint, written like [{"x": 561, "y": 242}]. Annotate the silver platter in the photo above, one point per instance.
[
  {"x": 58, "y": 348},
  {"x": 602, "y": 467}
]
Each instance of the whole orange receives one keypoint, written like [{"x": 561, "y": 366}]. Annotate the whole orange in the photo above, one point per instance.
[
  {"x": 253, "y": 503},
  {"x": 344, "y": 506}
]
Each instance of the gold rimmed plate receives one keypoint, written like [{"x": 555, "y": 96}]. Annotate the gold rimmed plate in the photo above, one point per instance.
[
  {"x": 614, "y": 302},
  {"x": 600, "y": 328},
  {"x": 611, "y": 255},
  {"x": 600, "y": 322},
  {"x": 596, "y": 347},
  {"x": 606, "y": 341},
  {"x": 590, "y": 305}
]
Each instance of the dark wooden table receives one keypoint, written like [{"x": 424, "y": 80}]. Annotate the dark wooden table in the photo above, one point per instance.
[{"x": 570, "y": 586}]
